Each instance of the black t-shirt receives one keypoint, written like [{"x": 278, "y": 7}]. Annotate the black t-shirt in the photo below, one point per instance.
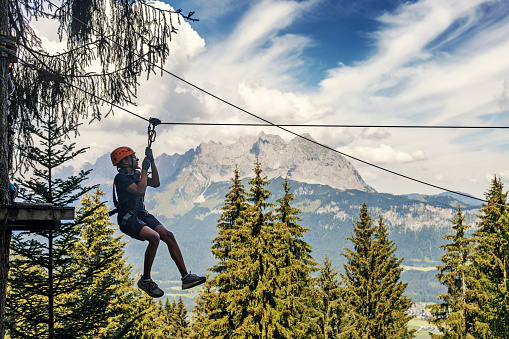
[{"x": 126, "y": 200}]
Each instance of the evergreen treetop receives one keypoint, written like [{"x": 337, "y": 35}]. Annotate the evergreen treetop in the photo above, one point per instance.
[
  {"x": 491, "y": 263},
  {"x": 375, "y": 304},
  {"x": 329, "y": 300},
  {"x": 454, "y": 316}
]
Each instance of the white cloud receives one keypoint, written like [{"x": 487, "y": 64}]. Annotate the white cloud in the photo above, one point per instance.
[
  {"x": 407, "y": 79},
  {"x": 383, "y": 154},
  {"x": 280, "y": 107},
  {"x": 504, "y": 175},
  {"x": 374, "y": 133}
]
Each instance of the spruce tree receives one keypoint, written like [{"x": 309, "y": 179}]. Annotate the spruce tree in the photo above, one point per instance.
[
  {"x": 204, "y": 313},
  {"x": 329, "y": 301},
  {"x": 234, "y": 210},
  {"x": 391, "y": 319},
  {"x": 491, "y": 264},
  {"x": 102, "y": 306},
  {"x": 151, "y": 322},
  {"x": 454, "y": 315},
  {"x": 212, "y": 313},
  {"x": 374, "y": 301},
  {"x": 289, "y": 274},
  {"x": 255, "y": 298},
  {"x": 179, "y": 327},
  {"x": 44, "y": 256}
]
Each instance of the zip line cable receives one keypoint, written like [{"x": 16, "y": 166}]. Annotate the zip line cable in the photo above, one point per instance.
[
  {"x": 267, "y": 122},
  {"x": 330, "y": 125},
  {"x": 303, "y": 137}
]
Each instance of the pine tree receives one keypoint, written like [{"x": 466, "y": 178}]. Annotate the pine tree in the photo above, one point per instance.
[
  {"x": 490, "y": 263},
  {"x": 255, "y": 299},
  {"x": 179, "y": 323},
  {"x": 103, "y": 304},
  {"x": 375, "y": 305},
  {"x": 234, "y": 210},
  {"x": 175, "y": 322},
  {"x": 44, "y": 256},
  {"x": 329, "y": 301},
  {"x": 454, "y": 315},
  {"x": 212, "y": 313},
  {"x": 391, "y": 320},
  {"x": 288, "y": 275},
  {"x": 206, "y": 311},
  {"x": 262, "y": 287},
  {"x": 151, "y": 322}
]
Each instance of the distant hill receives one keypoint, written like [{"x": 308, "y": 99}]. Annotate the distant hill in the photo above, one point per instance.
[
  {"x": 445, "y": 196},
  {"x": 328, "y": 189}
]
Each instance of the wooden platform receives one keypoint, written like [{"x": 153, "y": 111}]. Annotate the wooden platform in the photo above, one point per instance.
[{"x": 33, "y": 217}]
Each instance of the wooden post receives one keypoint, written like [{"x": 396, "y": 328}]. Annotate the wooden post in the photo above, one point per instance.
[{"x": 5, "y": 236}]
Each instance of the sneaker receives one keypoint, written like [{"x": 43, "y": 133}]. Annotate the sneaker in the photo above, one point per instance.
[
  {"x": 192, "y": 280},
  {"x": 151, "y": 288}
]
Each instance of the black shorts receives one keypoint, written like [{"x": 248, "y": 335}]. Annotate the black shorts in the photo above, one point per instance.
[{"x": 133, "y": 225}]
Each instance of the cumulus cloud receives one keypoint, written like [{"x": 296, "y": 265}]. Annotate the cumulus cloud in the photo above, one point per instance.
[
  {"x": 374, "y": 133},
  {"x": 384, "y": 154},
  {"x": 280, "y": 107},
  {"x": 503, "y": 175}
]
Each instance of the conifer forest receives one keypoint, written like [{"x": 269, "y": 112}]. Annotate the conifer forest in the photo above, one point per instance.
[{"x": 265, "y": 284}]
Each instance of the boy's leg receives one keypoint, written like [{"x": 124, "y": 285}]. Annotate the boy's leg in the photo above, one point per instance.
[
  {"x": 173, "y": 248},
  {"x": 150, "y": 253},
  {"x": 188, "y": 280}
]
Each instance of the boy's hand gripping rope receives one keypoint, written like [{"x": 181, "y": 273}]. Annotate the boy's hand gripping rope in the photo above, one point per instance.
[{"x": 152, "y": 123}]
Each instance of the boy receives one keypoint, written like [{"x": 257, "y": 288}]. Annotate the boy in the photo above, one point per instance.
[{"x": 137, "y": 223}]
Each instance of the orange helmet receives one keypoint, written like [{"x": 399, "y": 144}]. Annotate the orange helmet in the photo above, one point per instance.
[{"x": 120, "y": 153}]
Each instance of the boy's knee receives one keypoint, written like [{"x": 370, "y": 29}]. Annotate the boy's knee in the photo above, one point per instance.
[
  {"x": 168, "y": 236},
  {"x": 153, "y": 238}
]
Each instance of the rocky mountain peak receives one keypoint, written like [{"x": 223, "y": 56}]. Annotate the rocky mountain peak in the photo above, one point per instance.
[{"x": 298, "y": 160}]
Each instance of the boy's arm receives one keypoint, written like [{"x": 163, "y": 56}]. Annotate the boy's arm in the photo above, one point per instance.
[
  {"x": 153, "y": 181},
  {"x": 141, "y": 187}
]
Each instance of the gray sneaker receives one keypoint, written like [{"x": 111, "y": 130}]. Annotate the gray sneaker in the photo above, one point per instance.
[
  {"x": 192, "y": 280},
  {"x": 151, "y": 288}
]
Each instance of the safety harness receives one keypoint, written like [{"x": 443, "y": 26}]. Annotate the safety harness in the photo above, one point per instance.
[{"x": 119, "y": 204}]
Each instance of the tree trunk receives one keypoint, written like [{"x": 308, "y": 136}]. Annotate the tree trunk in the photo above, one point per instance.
[{"x": 5, "y": 236}]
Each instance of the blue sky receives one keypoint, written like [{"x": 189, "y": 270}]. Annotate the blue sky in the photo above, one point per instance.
[
  {"x": 340, "y": 31},
  {"x": 426, "y": 62}
]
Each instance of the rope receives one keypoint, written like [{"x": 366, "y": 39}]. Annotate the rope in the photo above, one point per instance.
[{"x": 330, "y": 125}]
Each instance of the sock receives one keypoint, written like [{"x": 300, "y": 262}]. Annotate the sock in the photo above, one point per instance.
[{"x": 145, "y": 280}]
